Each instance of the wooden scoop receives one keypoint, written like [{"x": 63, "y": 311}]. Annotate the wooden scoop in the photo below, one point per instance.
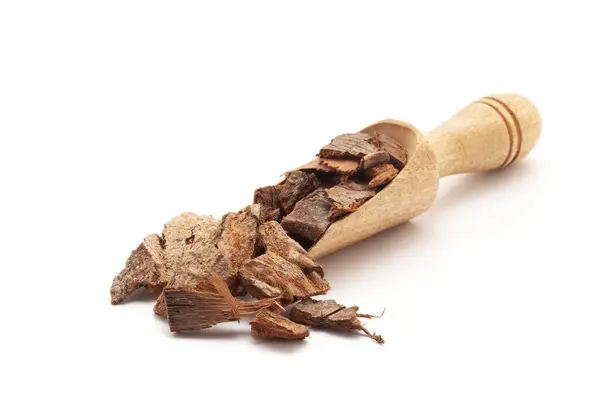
[{"x": 491, "y": 133}]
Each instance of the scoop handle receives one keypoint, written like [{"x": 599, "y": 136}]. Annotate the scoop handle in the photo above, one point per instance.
[{"x": 492, "y": 132}]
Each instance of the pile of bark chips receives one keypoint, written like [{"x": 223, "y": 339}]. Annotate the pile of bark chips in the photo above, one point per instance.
[{"x": 254, "y": 263}]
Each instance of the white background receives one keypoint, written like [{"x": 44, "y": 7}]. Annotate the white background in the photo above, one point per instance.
[{"x": 117, "y": 115}]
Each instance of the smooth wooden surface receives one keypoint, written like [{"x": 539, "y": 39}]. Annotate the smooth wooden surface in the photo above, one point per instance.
[{"x": 492, "y": 132}]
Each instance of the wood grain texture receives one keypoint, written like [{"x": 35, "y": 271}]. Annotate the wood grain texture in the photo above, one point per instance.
[{"x": 492, "y": 132}]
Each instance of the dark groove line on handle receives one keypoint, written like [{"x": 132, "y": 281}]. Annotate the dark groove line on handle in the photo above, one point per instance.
[
  {"x": 508, "y": 127},
  {"x": 517, "y": 125}
]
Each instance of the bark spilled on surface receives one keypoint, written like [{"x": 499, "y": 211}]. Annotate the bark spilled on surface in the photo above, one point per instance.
[{"x": 200, "y": 266}]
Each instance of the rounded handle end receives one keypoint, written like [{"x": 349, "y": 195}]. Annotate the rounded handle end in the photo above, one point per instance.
[
  {"x": 522, "y": 120},
  {"x": 492, "y": 132}
]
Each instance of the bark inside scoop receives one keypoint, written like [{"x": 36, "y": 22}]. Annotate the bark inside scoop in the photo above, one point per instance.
[
  {"x": 349, "y": 171},
  {"x": 339, "y": 166},
  {"x": 297, "y": 186},
  {"x": 352, "y": 146},
  {"x": 347, "y": 197},
  {"x": 310, "y": 218},
  {"x": 380, "y": 175}
]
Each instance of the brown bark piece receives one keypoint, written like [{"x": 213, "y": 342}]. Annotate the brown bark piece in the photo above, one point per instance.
[
  {"x": 160, "y": 307},
  {"x": 343, "y": 319},
  {"x": 381, "y": 175},
  {"x": 393, "y": 148},
  {"x": 327, "y": 176},
  {"x": 290, "y": 279},
  {"x": 259, "y": 289},
  {"x": 144, "y": 268},
  {"x": 216, "y": 285},
  {"x": 347, "y": 197},
  {"x": 270, "y": 215},
  {"x": 263, "y": 214},
  {"x": 297, "y": 185},
  {"x": 310, "y": 217},
  {"x": 182, "y": 257},
  {"x": 309, "y": 166},
  {"x": 191, "y": 251},
  {"x": 314, "y": 312},
  {"x": 270, "y": 325},
  {"x": 238, "y": 238},
  {"x": 329, "y": 314},
  {"x": 349, "y": 145},
  {"x": 192, "y": 310},
  {"x": 276, "y": 240},
  {"x": 339, "y": 166},
  {"x": 373, "y": 159},
  {"x": 268, "y": 197},
  {"x": 210, "y": 304},
  {"x": 213, "y": 285}
]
